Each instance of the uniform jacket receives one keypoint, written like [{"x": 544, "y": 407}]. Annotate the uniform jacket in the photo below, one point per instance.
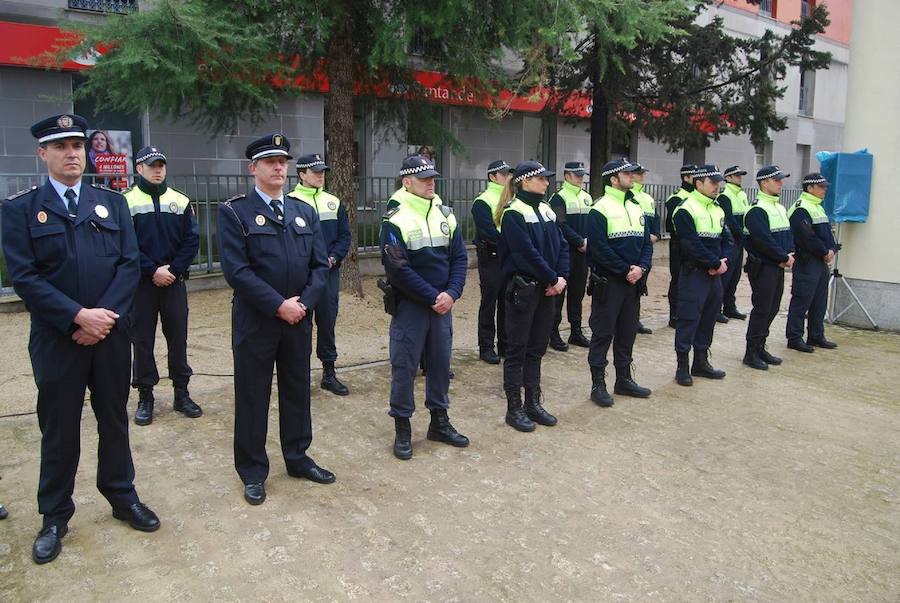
[
  {"x": 618, "y": 234},
  {"x": 531, "y": 243},
  {"x": 483, "y": 215},
  {"x": 702, "y": 233},
  {"x": 811, "y": 228},
  {"x": 571, "y": 205},
  {"x": 332, "y": 219},
  {"x": 768, "y": 238}
]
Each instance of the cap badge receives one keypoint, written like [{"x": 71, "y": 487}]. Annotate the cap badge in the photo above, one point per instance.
[
  {"x": 260, "y": 220},
  {"x": 277, "y": 140},
  {"x": 300, "y": 222},
  {"x": 101, "y": 211},
  {"x": 42, "y": 217},
  {"x": 318, "y": 158},
  {"x": 64, "y": 121}
]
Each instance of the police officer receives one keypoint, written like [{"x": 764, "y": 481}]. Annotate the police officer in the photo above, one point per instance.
[
  {"x": 705, "y": 248},
  {"x": 273, "y": 256},
  {"x": 620, "y": 255},
  {"x": 733, "y": 201},
  {"x": 571, "y": 204},
  {"x": 336, "y": 231},
  {"x": 490, "y": 275},
  {"x": 535, "y": 260},
  {"x": 168, "y": 240},
  {"x": 815, "y": 251},
  {"x": 425, "y": 260},
  {"x": 73, "y": 259},
  {"x": 770, "y": 249},
  {"x": 648, "y": 206},
  {"x": 674, "y": 248}
]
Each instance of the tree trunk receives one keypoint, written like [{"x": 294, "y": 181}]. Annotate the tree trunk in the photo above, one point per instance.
[
  {"x": 339, "y": 121},
  {"x": 600, "y": 139}
]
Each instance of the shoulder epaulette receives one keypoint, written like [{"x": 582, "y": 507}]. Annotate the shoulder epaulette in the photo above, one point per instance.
[
  {"x": 105, "y": 188},
  {"x": 20, "y": 193},
  {"x": 446, "y": 210},
  {"x": 235, "y": 198},
  {"x": 391, "y": 212}
]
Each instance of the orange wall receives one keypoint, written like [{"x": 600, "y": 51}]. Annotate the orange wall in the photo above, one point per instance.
[{"x": 789, "y": 10}]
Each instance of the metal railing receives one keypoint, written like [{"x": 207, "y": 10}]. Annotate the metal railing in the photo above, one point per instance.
[
  {"x": 372, "y": 194},
  {"x": 105, "y": 6}
]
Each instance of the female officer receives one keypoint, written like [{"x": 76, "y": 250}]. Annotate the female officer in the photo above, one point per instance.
[{"x": 535, "y": 261}]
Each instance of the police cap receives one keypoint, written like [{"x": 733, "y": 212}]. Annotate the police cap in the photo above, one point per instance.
[
  {"x": 67, "y": 125},
  {"x": 611, "y": 168},
  {"x": 312, "y": 162},
  {"x": 575, "y": 167},
  {"x": 418, "y": 166},
  {"x": 734, "y": 170},
  {"x": 498, "y": 166},
  {"x": 815, "y": 178},
  {"x": 771, "y": 171},
  {"x": 687, "y": 169},
  {"x": 530, "y": 169},
  {"x": 708, "y": 171},
  {"x": 149, "y": 155},
  {"x": 641, "y": 169},
  {"x": 275, "y": 144}
]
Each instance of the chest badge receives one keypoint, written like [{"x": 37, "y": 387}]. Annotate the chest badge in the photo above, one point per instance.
[
  {"x": 42, "y": 217},
  {"x": 101, "y": 211},
  {"x": 260, "y": 220},
  {"x": 300, "y": 222},
  {"x": 173, "y": 207},
  {"x": 332, "y": 205},
  {"x": 445, "y": 228},
  {"x": 641, "y": 220}
]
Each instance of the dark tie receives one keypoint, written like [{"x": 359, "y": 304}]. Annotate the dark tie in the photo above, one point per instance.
[
  {"x": 276, "y": 207},
  {"x": 73, "y": 207}
]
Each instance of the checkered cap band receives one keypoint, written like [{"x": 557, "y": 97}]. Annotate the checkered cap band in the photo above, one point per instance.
[
  {"x": 303, "y": 166},
  {"x": 150, "y": 157},
  {"x": 530, "y": 174},
  {"x": 499, "y": 168},
  {"x": 618, "y": 168},
  {"x": 732, "y": 171},
  {"x": 687, "y": 172},
  {"x": 777, "y": 172},
  {"x": 416, "y": 170},
  {"x": 706, "y": 173},
  {"x": 818, "y": 180}
]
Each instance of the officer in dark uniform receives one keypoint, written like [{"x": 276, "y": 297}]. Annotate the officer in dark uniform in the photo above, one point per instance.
[
  {"x": 705, "y": 248},
  {"x": 734, "y": 201},
  {"x": 674, "y": 248},
  {"x": 770, "y": 249},
  {"x": 535, "y": 261},
  {"x": 490, "y": 275},
  {"x": 168, "y": 239},
  {"x": 620, "y": 253},
  {"x": 274, "y": 258},
  {"x": 425, "y": 260},
  {"x": 648, "y": 206},
  {"x": 815, "y": 251},
  {"x": 336, "y": 232},
  {"x": 73, "y": 259},
  {"x": 571, "y": 204}
]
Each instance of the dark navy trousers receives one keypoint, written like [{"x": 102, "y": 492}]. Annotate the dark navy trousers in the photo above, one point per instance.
[
  {"x": 809, "y": 299},
  {"x": 325, "y": 315},
  {"x": 170, "y": 305},
  {"x": 699, "y": 301},
  {"x": 491, "y": 281},
  {"x": 614, "y": 320},
  {"x": 767, "y": 283}
]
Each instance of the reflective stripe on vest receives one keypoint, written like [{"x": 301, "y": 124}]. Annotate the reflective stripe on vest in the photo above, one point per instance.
[
  {"x": 778, "y": 218},
  {"x": 578, "y": 201},
  {"x": 813, "y": 206},
  {"x": 325, "y": 204},
  {"x": 491, "y": 196},
  {"x": 739, "y": 202},
  {"x": 527, "y": 212},
  {"x": 624, "y": 217},
  {"x": 170, "y": 202},
  {"x": 708, "y": 217},
  {"x": 421, "y": 223}
]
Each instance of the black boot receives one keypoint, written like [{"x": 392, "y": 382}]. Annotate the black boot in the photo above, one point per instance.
[
  {"x": 440, "y": 430},
  {"x": 330, "y": 381},
  {"x": 144, "y": 413},
  {"x": 800, "y": 346},
  {"x": 626, "y": 386},
  {"x": 702, "y": 367},
  {"x": 766, "y": 357},
  {"x": 557, "y": 343},
  {"x": 821, "y": 342},
  {"x": 184, "y": 404},
  {"x": 576, "y": 337},
  {"x": 535, "y": 411},
  {"x": 683, "y": 371},
  {"x": 599, "y": 394},
  {"x": 721, "y": 318},
  {"x": 402, "y": 438},
  {"x": 515, "y": 415},
  {"x": 489, "y": 356},
  {"x": 752, "y": 359},
  {"x": 673, "y": 323},
  {"x": 642, "y": 330},
  {"x": 734, "y": 313}
]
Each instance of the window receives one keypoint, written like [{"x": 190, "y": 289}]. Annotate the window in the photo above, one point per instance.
[
  {"x": 806, "y": 8},
  {"x": 807, "y": 92},
  {"x": 105, "y": 6},
  {"x": 762, "y": 156},
  {"x": 767, "y": 8},
  {"x": 804, "y": 151}
]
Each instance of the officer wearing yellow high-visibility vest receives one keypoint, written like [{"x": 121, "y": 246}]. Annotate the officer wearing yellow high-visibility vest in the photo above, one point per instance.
[
  {"x": 336, "y": 234},
  {"x": 490, "y": 274},
  {"x": 571, "y": 204},
  {"x": 648, "y": 206},
  {"x": 620, "y": 253},
  {"x": 425, "y": 260},
  {"x": 705, "y": 248},
  {"x": 168, "y": 239},
  {"x": 673, "y": 202},
  {"x": 734, "y": 201},
  {"x": 815, "y": 251},
  {"x": 770, "y": 247}
]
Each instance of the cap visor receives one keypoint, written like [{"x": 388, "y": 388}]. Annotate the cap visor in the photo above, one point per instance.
[
  {"x": 320, "y": 168},
  {"x": 716, "y": 178},
  {"x": 781, "y": 176},
  {"x": 547, "y": 173},
  {"x": 631, "y": 168}
]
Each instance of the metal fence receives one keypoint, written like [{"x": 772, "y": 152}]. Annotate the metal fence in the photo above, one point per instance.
[{"x": 372, "y": 194}]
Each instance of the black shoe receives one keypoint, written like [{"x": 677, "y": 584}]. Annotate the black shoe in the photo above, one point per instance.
[
  {"x": 535, "y": 411},
  {"x": 768, "y": 358},
  {"x": 599, "y": 394},
  {"x": 721, "y": 318},
  {"x": 557, "y": 343},
  {"x": 576, "y": 337},
  {"x": 683, "y": 371},
  {"x": 139, "y": 516},
  {"x": 800, "y": 346},
  {"x": 3, "y": 512},
  {"x": 441, "y": 430},
  {"x": 331, "y": 384},
  {"x": 255, "y": 494},
  {"x": 702, "y": 367},
  {"x": 185, "y": 405},
  {"x": 515, "y": 414},
  {"x": 144, "y": 413},
  {"x": 489, "y": 356},
  {"x": 673, "y": 323},
  {"x": 403, "y": 438},
  {"x": 313, "y": 473},
  {"x": 48, "y": 544},
  {"x": 822, "y": 343},
  {"x": 734, "y": 313},
  {"x": 642, "y": 330},
  {"x": 752, "y": 358},
  {"x": 626, "y": 386}
]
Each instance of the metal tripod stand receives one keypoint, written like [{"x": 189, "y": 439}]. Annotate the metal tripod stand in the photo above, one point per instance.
[{"x": 836, "y": 277}]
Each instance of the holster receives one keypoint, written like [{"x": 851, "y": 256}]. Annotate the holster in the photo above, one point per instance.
[
  {"x": 521, "y": 290},
  {"x": 597, "y": 285},
  {"x": 642, "y": 284},
  {"x": 389, "y": 296}
]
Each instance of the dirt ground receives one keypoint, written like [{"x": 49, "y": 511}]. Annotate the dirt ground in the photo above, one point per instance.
[{"x": 765, "y": 486}]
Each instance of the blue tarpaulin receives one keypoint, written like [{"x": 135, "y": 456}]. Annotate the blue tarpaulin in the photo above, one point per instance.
[{"x": 850, "y": 175}]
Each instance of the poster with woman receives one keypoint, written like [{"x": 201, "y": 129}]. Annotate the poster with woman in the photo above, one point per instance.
[{"x": 109, "y": 153}]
